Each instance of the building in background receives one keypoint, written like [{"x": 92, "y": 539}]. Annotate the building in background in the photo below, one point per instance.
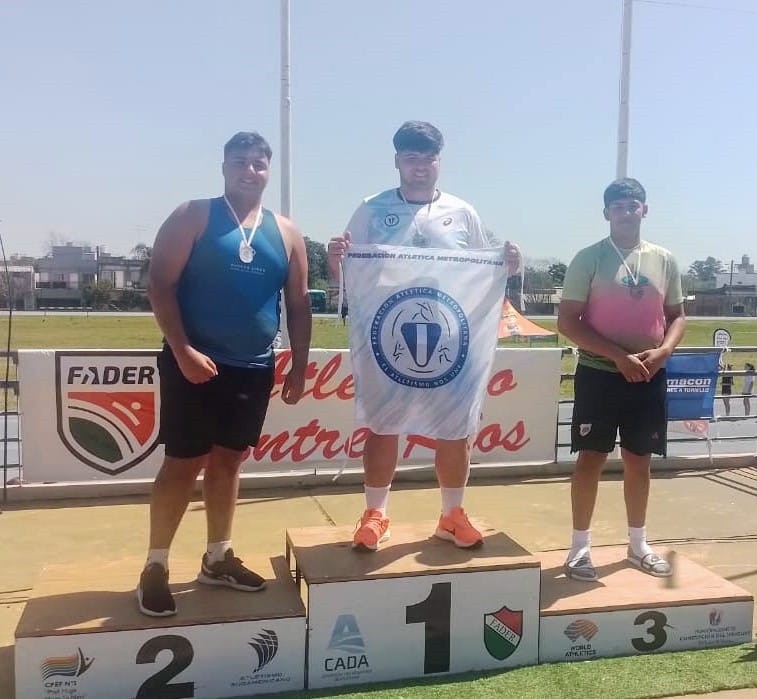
[
  {"x": 77, "y": 276},
  {"x": 62, "y": 275},
  {"x": 22, "y": 291}
]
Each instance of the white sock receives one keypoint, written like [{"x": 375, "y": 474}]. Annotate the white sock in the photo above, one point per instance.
[
  {"x": 637, "y": 538},
  {"x": 217, "y": 550},
  {"x": 377, "y": 498},
  {"x": 580, "y": 544},
  {"x": 451, "y": 498},
  {"x": 157, "y": 556}
]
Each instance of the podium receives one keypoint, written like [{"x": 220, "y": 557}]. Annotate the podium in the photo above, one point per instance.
[
  {"x": 417, "y": 607},
  {"x": 627, "y": 611},
  {"x": 81, "y": 636}
]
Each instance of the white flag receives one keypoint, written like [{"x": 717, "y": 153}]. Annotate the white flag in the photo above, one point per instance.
[{"x": 423, "y": 330}]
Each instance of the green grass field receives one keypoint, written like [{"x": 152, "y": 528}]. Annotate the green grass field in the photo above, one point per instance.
[
  {"x": 140, "y": 332},
  {"x": 133, "y": 332}
]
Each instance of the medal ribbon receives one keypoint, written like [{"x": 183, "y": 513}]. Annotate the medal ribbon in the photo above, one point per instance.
[
  {"x": 246, "y": 242},
  {"x": 634, "y": 277}
]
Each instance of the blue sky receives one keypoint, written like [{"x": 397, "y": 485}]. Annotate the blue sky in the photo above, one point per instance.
[{"x": 114, "y": 113}]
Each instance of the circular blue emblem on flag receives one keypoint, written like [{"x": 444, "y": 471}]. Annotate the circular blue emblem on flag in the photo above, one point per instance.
[{"x": 420, "y": 337}]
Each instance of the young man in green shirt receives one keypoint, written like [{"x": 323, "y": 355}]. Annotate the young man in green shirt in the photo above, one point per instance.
[{"x": 622, "y": 305}]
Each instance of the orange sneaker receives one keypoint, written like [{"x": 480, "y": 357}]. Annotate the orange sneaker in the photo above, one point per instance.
[
  {"x": 456, "y": 527},
  {"x": 372, "y": 529}
]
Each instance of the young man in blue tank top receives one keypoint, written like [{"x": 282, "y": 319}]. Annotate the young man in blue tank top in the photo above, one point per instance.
[
  {"x": 217, "y": 270},
  {"x": 431, "y": 218}
]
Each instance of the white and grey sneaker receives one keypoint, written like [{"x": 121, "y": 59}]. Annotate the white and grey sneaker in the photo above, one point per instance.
[
  {"x": 651, "y": 563},
  {"x": 581, "y": 568}
]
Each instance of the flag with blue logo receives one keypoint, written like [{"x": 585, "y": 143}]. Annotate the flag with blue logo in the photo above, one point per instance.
[
  {"x": 423, "y": 331},
  {"x": 692, "y": 379}
]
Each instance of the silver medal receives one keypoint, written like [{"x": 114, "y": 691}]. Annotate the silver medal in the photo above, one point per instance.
[{"x": 246, "y": 253}]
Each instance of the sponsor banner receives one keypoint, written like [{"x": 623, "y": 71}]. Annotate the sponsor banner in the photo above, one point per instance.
[
  {"x": 107, "y": 411},
  {"x": 205, "y": 661},
  {"x": 93, "y": 415},
  {"x": 88, "y": 414},
  {"x": 692, "y": 380},
  {"x": 568, "y": 637},
  {"x": 392, "y": 628}
]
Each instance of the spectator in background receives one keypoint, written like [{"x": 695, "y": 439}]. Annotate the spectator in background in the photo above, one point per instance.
[
  {"x": 726, "y": 384},
  {"x": 748, "y": 386}
]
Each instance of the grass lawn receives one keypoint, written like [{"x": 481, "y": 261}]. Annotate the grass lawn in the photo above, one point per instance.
[
  {"x": 689, "y": 672},
  {"x": 128, "y": 332}
]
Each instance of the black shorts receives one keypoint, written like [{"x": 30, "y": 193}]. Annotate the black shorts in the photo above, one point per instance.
[
  {"x": 605, "y": 403},
  {"x": 228, "y": 411}
]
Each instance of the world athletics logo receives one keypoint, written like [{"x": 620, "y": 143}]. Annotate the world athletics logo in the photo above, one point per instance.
[
  {"x": 420, "y": 337},
  {"x": 107, "y": 407}
]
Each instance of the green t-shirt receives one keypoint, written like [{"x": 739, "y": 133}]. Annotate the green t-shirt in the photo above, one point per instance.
[{"x": 625, "y": 303}]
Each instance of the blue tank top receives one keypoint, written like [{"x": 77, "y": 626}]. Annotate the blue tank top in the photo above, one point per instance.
[{"x": 231, "y": 309}]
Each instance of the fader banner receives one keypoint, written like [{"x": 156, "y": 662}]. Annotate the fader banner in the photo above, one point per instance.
[{"x": 94, "y": 415}]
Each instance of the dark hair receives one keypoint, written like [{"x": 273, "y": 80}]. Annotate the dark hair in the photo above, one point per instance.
[
  {"x": 626, "y": 188},
  {"x": 244, "y": 140},
  {"x": 418, "y": 136}
]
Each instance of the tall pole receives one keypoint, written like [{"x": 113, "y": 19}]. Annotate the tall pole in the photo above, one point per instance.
[
  {"x": 286, "y": 112},
  {"x": 625, "y": 88},
  {"x": 286, "y": 137}
]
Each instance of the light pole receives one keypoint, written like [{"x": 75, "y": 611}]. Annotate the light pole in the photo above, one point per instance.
[
  {"x": 286, "y": 137},
  {"x": 286, "y": 112},
  {"x": 625, "y": 88}
]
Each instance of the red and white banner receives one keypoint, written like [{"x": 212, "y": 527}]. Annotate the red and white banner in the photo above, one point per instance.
[{"x": 90, "y": 414}]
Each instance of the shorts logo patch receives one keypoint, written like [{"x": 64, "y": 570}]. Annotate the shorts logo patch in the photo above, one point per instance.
[{"x": 584, "y": 429}]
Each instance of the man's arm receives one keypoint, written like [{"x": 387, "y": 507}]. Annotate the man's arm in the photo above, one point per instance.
[
  {"x": 571, "y": 324},
  {"x": 299, "y": 316},
  {"x": 675, "y": 319},
  {"x": 172, "y": 248},
  {"x": 338, "y": 245}
]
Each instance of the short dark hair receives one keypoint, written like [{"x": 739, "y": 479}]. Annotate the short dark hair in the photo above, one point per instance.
[
  {"x": 625, "y": 188},
  {"x": 244, "y": 140},
  {"x": 418, "y": 136}
]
